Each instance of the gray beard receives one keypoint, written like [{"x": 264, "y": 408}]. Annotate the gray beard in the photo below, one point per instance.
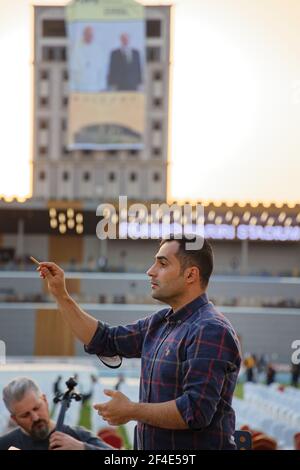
[{"x": 40, "y": 433}]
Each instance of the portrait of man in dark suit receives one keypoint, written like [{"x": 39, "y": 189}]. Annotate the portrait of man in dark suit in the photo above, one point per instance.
[{"x": 124, "y": 73}]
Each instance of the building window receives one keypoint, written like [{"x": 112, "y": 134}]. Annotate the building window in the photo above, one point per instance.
[
  {"x": 153, "y": 54},
  {"x": 86, "y": 176},
  {"x": 65, "y": 101},
  {"x": 133, "y": 152},
  {"x": 113, "y": 152},
  {"x": 157, "y": 102},
  {"x": 65, "y": 176},
  {"x": 62, "y": 54},
  {"x": 133, "y": 177},
  {"x": 57, "y": 54},
  {"x": 43, "y": 124},
  {"x": 42, "y": 176},
  {"x": 156, "y": 152},
  {"x": 44, "y": 102},
  {"x": 112, "y": 176},
  {"x": 65, "y": 75},
  {"x": 43, "y": 150},
  {"x": 156, "y": 177},
  {"x": 157, "y": 75},
  {"x": 156, "y": 125},
  {"x": 64, "y": 124},
  {"x": 53, "y": 29},
  {"x": 48, "y": 54},
  {"x": 153, "y": 28},
  {"x": 44, "y": 75}
]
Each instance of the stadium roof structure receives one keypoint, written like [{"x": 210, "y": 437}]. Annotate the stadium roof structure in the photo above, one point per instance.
[{"x": 223, "y": 221}]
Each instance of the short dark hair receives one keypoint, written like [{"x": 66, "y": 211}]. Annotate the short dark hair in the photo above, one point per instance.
[{"x": 202, "y": 258}]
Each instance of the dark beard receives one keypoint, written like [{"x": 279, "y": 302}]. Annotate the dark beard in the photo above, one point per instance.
[{"x": 39, "y": 433}]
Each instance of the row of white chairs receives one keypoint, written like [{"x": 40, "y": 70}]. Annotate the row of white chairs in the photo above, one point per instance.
[
  {"x": 279, "y": 403},
  {"x": 267, "y": 409}
]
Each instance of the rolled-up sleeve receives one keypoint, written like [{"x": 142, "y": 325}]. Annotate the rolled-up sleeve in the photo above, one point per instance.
[
  {"x": 91, "y": 442},
  {"x": 125, "y": 341},
  {"x": 211, "y": 355}
]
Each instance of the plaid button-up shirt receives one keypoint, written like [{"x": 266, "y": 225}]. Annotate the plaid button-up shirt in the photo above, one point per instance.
[{"x": 191, "y": 356}]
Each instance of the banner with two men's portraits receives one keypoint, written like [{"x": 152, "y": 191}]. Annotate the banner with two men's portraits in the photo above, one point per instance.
[{"x": 106, "y": 70}]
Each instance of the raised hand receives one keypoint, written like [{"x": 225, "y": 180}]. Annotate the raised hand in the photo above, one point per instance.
[{"x": 55, "y": 277}]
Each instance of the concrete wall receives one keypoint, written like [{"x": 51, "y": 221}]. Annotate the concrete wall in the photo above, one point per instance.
[
  {"x": 17, "y": 331},
  {"x": 35, "y": 245},
  {"x": 271, "y": 257},
  {"x": 247, "y": 288},
  {"x": 261, "y": 330}
]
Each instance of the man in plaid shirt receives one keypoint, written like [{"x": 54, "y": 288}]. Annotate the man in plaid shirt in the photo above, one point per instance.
[{"x": 190, "y": 354}]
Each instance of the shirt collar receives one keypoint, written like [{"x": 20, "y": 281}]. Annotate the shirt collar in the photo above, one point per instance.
[{"x": 187, "y": 310}]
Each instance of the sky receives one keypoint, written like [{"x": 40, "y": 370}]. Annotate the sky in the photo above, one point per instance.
[
  {"x": 236, "y": 126},
  {"x": 235, "y": 111}
]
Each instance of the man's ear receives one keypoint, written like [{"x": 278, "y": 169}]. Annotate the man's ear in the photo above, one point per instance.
[
  {"x": 193, "y": 274},
  {"x": 44, "y": 398}
]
